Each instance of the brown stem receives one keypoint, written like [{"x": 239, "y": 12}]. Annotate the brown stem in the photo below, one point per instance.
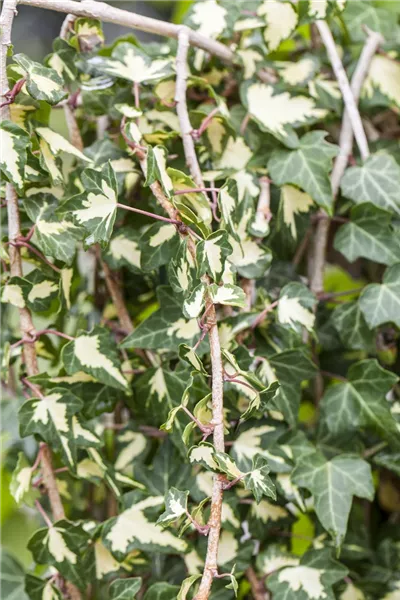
[
  {"x": 149, "y": 214},
  {"x": 257, "y": 587},
  {"x": 195, "y": 190},
  {"x": 20, "y": 243},
  {"x": 263, "y": 314},
  {"x": 197, "y": 133},
  {"x": 46, "y": 519}
]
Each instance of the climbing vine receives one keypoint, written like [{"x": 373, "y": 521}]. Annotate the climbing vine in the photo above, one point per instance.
[{"x": 201, "y": 300}]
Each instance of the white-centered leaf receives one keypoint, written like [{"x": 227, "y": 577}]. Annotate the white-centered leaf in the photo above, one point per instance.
[
  {"x": 175, "y": 506},
  {"x": 41, "y": 83},
  {"x": 14, "y": 142},
  {"x": 124, "y": 250},
  {"x": 133, "y": 530},
  {"x": 156, "y": 169},
  {"x": 294, "y": 202},
  {"x": 278, "y": 113},
  {"x": 333, "y": 483},
  {"x": 21, "y": 483},
  {"x": 258, "y": 481},
  {"x": 95, "y": 353},
  {"x": 308, "y": 167},
  {"x": 129, "y": 62},
  {"x": 295, "y": 306},
  {"x": 194, "y": 303},
  {"x": 281, "y": 19},
  {"x": 376, "y": 181},
  {"x": 380, "y": 302},
  {"x": 212, "y": 253},
  {"x": 210, "y": 19},
  {"x": 383, "y": 76},
  {"x": 298, "y": 73},
  {"x": 229, "y": 294},
  {"x": 95, "y": 208},
  {"x": 57, "y": 143}
]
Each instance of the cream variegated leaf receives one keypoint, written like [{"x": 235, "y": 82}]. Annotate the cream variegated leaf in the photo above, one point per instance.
[
  {"x": 133, "y": 530},
  {"x": 212, "y": 253},
  {"x": 156, "y": 169},
  {"x": 188, "y": 354},
  {"x": 294, "y": 202},
  {"x": 96, "y": 207},
  {"x": 279, "y": 113},
  {"x": 57, "y": 143},
  {"x": 51, "y": 417},
  {"x": 124, "y": 249},
  {"x": 40, "y": 589},
  {"x": 281, "y": 19},
  {"x": 129, "y": 62},
  {"x": 175, "y": 507},
  {"x": 42, "y": 83},
  {"x": 210, "y": 19},
  {"x": 295, "y": 307},
  {"x": 203, "y": 454},
  {"x": 227, "y": 294},
  {"x": 21, "y": 482},
  {"x": 258, "y": 481},
  {"x": 194, "y": 207},
  {"x": 181, "y": 270},
  {"x": 61, "y": 546},
  {"x": 158, "y": 245},
  {"x": 95, "y": 353},
  {"x": 194, "y": 303},
  {"x": 298, "y": 73},
  {"x": 14, "y": 142},
  {"x": 384, "y": 77},
  {"x": 311, "y": 579}
]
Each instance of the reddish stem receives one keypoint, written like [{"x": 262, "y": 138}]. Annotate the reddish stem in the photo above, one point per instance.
[
  {"x": 149, "y": 214},
  {"x": 264, "y": 313},
  {"x": 20, "y": 243},
  {"x": 45, "y": 516},
  {"x": 12, "y": 94},
  {"x": 195, "y": 190},
  {"x": 196, "y": 133}
]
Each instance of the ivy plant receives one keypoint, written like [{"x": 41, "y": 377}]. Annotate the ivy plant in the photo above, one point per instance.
[{"x": 201, "y": 300}]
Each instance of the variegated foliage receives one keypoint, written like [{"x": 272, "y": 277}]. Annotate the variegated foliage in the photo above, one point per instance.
[{"x": 123, "y": 396}]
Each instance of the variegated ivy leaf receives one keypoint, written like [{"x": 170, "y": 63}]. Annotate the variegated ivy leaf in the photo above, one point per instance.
[
  {"x": 156, "y": 169},
  {"x": 226, "y": 464},
  {"x": 95, "y": 353},
  {"x": 281, "y": 19},
  {"x": 158, "y": 245},
  {"x": 208, "y": 18},
  {"x": 187, "y": 354},
  {"x": 62, "y": 60},
  {"x": 55, "y": 236},
  {"x": 20, "y": 486},
  {"x": 380, "y": 302},
  {"x": 181, "y": 269},
  {"x": 125, "y": 589},
  {"x": 51, "y": 417},
  {"x": 279, "y": 113},
  {"x": 129, "y": 62},
  {"x": 212, "y": 253},
  {"x": 14, "y": 142},
  {"x": 307, "y": 167},
  {"x": 258, "y": 481},
  {"x": 274, "y": 558},
  {"x": 41, "y": 83},
  {"x": 43, "y": 290},
  {"x": 300, "y": 72},
  {"x": 383, "y": 77},
  {"x": 353, "y": 330},
  {"x": 124, "y": 249},
  {"x": 318, "y": 9},
  {"x": 61, "y": 546},
  {"x": 194, "y": 303},
  {"x": 295, "y": 306},
  {"x": 57, "y": 143},
  {"x": 40, "y": 589},
  {"x": 333, "y": 483},
  {"x": 203, "y": 454},
  {"x": 95, "y": 209},
  {"x": 376, "y": 181},
  {"x": 187, "y": 583},
  {"x": 50, "y": 163},
  {"x": 133, "y": 444},
  {"x": 132, "y": 530},
  {"x": 193, "y": 207},
  {"x": 228, "y": 294},
  {"x": 258, "y": 399},
  {"x": 369, "y": 235},
  {"x": 228, "y": 202},
  {"x": 175, "y": 507},
  {"x": 361, "y": 402},
  {"x": 250, "y": 58},
  {"x": 15, "y": 292},
  {"x": 294, "y": 202},
  {"x": 87, "y": 34},
  {"x": 311, "y": 579},
  {"x": 166, "y": 328}
]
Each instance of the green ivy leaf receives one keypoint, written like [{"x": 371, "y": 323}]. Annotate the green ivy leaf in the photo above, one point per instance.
[
  {"x": 368, "y": 235},
  {"x": 333, "y": 483},
  {"x": 380, "y": 302},
  {"x": 352, "y": 327},
  {"x": 377, "y": 181},
  {"x": 360, "y": 402},
  {"x": 125, "y": 589},
  {"x": 308, "y": 167},
  {"x": 162, "y": 591}
]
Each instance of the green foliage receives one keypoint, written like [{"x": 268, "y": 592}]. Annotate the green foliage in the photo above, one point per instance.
[{"x": 126, "y": 390}]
